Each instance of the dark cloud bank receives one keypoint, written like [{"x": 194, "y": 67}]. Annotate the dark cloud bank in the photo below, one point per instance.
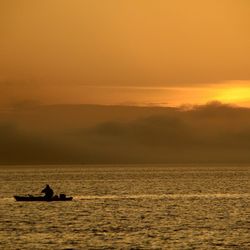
[{"x": 64, "y": 134}]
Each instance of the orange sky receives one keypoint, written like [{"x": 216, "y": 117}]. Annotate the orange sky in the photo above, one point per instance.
[{"x": 138, "y": 52}]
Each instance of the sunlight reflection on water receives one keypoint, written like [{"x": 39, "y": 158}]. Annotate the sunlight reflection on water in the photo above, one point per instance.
[{"x": 119, "y": 207}]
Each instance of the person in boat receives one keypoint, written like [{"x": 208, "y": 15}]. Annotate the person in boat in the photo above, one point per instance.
[{"x": 48, "y": 192}]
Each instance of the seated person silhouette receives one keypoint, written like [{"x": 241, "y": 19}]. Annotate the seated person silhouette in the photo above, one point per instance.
[{"x": 48, "y": 192}]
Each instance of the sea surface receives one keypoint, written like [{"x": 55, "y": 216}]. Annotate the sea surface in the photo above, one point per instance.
[{"x": 127, "y": 207}]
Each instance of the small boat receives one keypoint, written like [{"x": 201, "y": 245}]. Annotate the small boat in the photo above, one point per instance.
[{"x": 62, "y": 197}]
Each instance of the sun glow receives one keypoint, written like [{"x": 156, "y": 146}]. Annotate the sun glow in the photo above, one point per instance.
[{"x": 234, "y": 95}]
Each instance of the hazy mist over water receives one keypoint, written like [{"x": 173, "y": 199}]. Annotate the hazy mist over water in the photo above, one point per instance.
[
  {"x": 127, "y": 207},
  {"x": 89, "y": 134}
]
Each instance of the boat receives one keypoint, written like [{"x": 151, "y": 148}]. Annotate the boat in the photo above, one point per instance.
[{"x": 62, "y": 197}]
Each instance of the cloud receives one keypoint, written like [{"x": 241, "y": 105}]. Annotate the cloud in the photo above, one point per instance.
[
  {"x": 210, "y": 133},
  {"x": 20, "y": 147}
]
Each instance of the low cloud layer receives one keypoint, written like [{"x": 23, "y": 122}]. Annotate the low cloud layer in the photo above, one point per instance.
[{"x": 213, "y": 133}]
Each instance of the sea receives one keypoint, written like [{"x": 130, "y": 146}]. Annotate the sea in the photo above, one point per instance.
[{"x": 172, "y": 206}]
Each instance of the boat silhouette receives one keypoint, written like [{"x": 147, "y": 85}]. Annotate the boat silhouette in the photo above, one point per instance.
[{"x": 61, "y": 197}]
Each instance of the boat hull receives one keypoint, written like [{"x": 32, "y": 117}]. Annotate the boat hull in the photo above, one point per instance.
[{"x": 41, "y": 198}]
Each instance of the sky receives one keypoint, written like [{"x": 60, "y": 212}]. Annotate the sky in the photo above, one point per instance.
[
  {"x": 124, "y": 81},
  {"x": 133, "y": 52}
]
